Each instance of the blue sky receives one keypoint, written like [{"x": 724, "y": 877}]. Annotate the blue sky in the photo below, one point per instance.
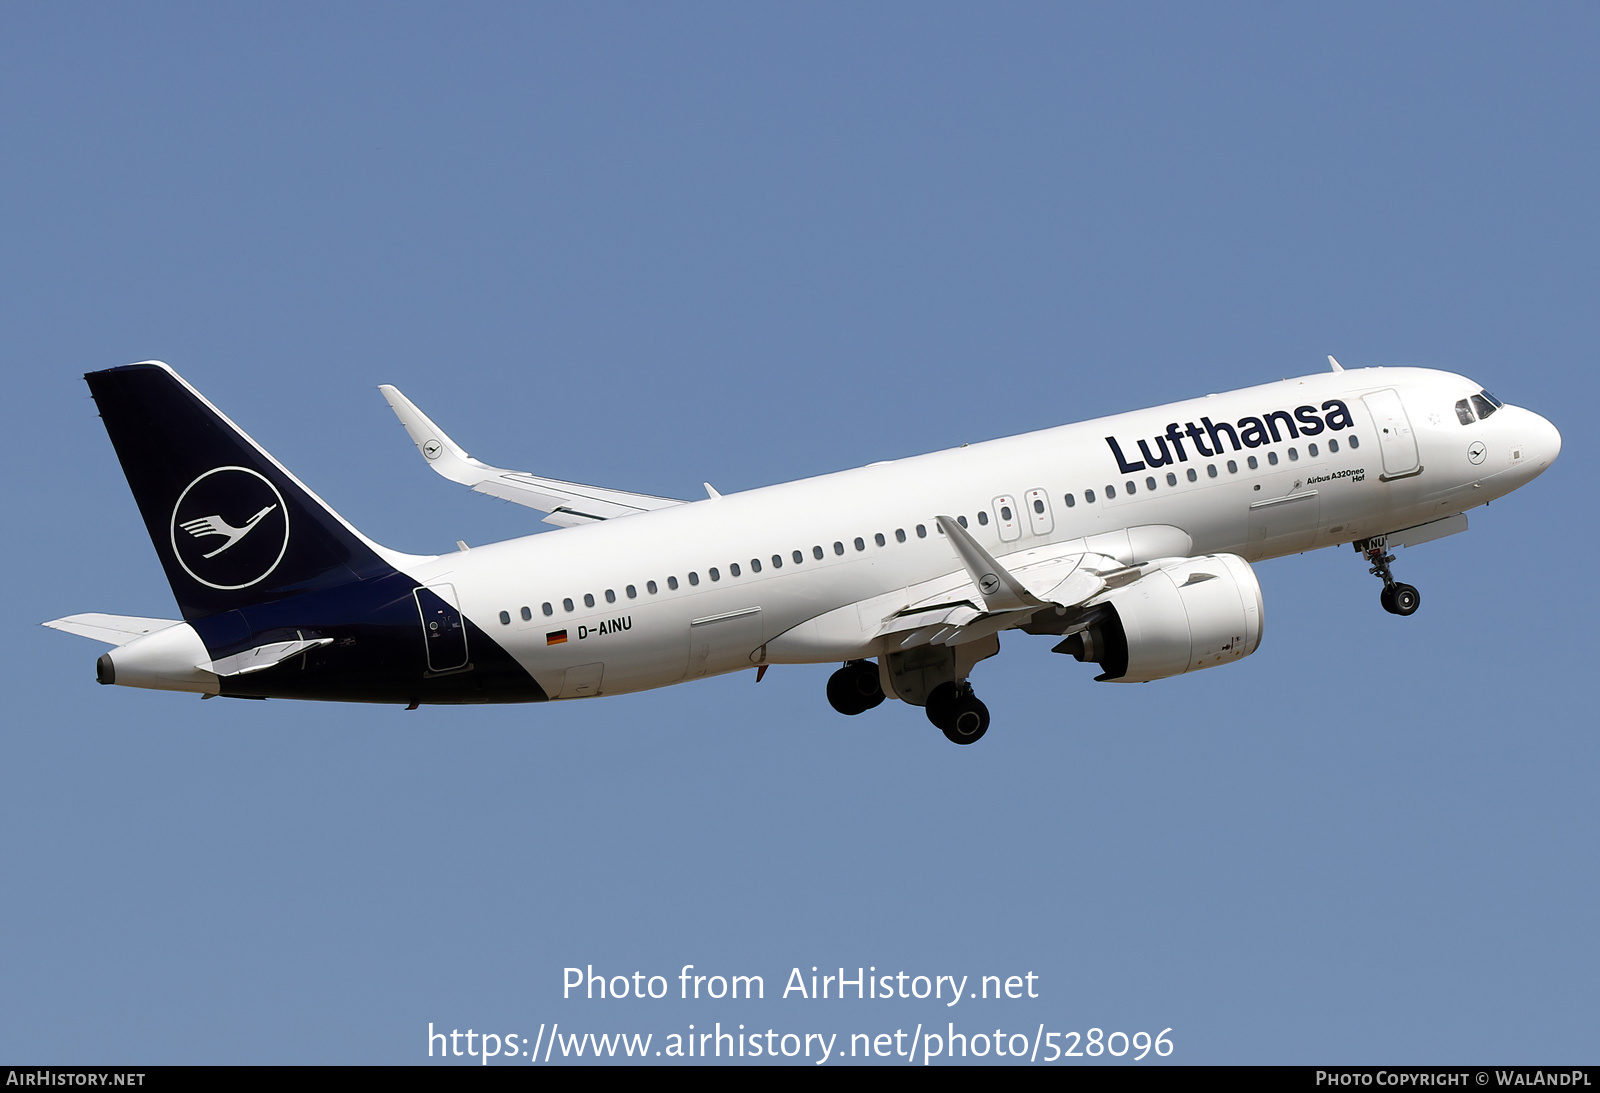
[{"x": 649, "y": 245}]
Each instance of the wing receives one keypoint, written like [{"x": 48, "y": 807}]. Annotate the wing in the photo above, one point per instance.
[
  {"x": 1053, "y": 589},
  {"x": 568, "y": 503}
]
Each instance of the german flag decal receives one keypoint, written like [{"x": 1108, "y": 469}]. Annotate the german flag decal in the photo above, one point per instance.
[{"x": 556, "y": 637}]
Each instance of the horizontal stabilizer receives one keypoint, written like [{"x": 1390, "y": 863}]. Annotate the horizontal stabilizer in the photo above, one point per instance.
[
  {"x": 568, "y": 503},
  {"x": 116, "y": 630}
]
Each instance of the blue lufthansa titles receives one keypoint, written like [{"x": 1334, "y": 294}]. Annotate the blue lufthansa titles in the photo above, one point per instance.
[{"x": 1247, "y": 432}]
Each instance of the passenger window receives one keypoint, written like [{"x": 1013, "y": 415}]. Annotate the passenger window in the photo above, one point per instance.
[
  {"x": 1088, "y": 496},
  {"x": 755, "y": 564},
  {"x": 1293, "y": 455},
  {"x": 1192, "y": 476},
  {"x": 548, "y": 609},
  {"x": 672, "y": 583},
  {"x": 527, "y": 614},
  {"x": 922, "y": 531},
  {"x": 1211, "y": 470},
  {"x": 715, "y": 576},
  {"x": 694, "y": 578},
  {"x": 1272, "y": 458},
  {"x": 1111, "y": 491},
  {"x": 879, "y": 539},
  {"x": 838, "y": 547},
  {"x": 1333, "y": 446},
  {"x": 1005, "y": 513},
  {"x": 1130, "y": 488},
  {"x": 733, "y": 570},
  {"x": 1464, "y": 413},
  {"x": 1233, "y": 468},
  {"x": 962, "y": 520},
  {"x": 816, "y": 552},
  {"x": 633, "y": 593},
  {"x": 1150, "y": 483},
  {"x": 777, "y": 560},
  {"x": 588, "y": 599},
  {"x": 899, "y": 535},
  {"x": 1251, "y": 463},
  {"x": 798, "y": 557},
  {"x": 611, "y": 595},
  {"x": 650, "y": 587},
  {"x": 1311, "y": 450},
  {"x": 1355, "y": 442},
  {"x": 567, "y": 603},
  {"x": 1070, "y": 502},
  {"x": 983, "y": 518},
  {"x": 1483, "y": 407},
  {"x": 505, "y": 618},
  {"x": 1172, "y": 479},
  {"x": 1038, "y": 505}
]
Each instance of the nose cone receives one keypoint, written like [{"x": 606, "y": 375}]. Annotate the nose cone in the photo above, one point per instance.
[
  {"x": 1547, "y": 442},
  {"x": 1538, "y": 443}
]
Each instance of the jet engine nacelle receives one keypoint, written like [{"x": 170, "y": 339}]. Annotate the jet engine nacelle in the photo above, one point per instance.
[{"x": 1195, "y": 613}]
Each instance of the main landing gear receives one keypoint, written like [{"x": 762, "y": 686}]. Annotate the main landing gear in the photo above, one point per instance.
[
  {"x": 1397, "y": 598},
  {"x": 951, "y": 705},
  {"x": 854, "y": 689},
  {"x": 956, "y": 712}
]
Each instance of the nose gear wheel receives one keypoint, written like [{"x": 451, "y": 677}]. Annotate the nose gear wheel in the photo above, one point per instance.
[{"x": 1396, "y": 598}]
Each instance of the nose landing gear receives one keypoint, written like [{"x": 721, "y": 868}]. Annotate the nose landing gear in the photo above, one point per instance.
[{"x": 1397, "y": 598}]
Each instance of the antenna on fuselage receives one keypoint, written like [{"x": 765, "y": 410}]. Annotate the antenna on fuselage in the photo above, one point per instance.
[{"x": 1335, "y": 365}]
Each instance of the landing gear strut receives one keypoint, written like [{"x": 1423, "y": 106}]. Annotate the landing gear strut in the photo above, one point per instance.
[
  {"x": 1397, "y": 598},
  {"x": 854, "y": 689},
  {"x": 956, "y": 712}
]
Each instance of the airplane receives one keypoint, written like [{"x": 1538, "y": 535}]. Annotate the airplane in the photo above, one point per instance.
[{"x": 1129, "y": 540}]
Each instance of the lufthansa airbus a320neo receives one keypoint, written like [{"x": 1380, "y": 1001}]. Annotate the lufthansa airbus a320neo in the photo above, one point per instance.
[{"x": 1128, "y": 541}]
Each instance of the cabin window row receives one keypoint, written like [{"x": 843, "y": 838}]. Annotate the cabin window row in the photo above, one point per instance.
[
  {"x": 735, "y": 569},
  {"x": 1131, "y": 486}
]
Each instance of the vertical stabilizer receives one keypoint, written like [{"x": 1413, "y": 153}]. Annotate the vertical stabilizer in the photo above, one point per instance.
[{"x": 231, "y": 526}]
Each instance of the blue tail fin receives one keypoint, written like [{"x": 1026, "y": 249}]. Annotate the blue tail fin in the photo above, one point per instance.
[{"x": 232, "y": 527}]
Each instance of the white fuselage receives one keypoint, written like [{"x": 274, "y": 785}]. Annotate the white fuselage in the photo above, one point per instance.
[{"x": 695, "y": 590}]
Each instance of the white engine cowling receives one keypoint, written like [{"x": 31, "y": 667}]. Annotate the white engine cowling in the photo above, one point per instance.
[{"x": 1193, "y": 614}]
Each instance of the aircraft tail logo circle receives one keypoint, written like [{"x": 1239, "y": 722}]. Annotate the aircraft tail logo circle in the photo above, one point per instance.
[{"x": 229, "y": 528}]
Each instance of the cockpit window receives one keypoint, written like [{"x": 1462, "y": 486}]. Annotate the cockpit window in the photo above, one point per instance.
[
  {"x": 1496, "y": 403},
  {"x": 1464, "y": 413},
  {"x": 1483, "y": 406}
]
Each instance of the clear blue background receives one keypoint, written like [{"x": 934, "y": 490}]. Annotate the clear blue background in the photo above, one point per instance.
[{"x": 647, "y": 245}]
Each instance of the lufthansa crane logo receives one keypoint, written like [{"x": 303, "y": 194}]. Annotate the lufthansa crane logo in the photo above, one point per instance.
[{"x": 229, "y": 528}]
